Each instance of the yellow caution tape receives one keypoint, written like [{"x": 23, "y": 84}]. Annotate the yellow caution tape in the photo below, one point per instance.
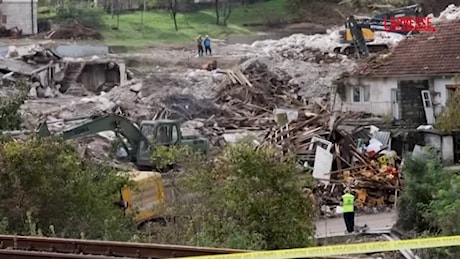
[{"x": 335, "y": 250}]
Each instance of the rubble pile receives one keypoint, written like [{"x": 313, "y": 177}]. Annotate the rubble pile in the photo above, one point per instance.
[
  {"x": 250, "y": 96},
  {"x": 12, "y": 33},
  {"x": 452, "y": 12},
  {"x": 300, "y": 46},
  {"x": 74, "y": 31},
  {"x": 341, "y": 154}
]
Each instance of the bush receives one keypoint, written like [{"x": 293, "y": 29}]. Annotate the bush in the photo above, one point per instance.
[
  {"x": 422, "y": 176},
  {"x": 430, "y": 205},
  {"x": 10, "y": 117},
  {"x": 244, "y": 199},
  {"x": 87, "y": 16},
  {"x": 45, "y": 181}
]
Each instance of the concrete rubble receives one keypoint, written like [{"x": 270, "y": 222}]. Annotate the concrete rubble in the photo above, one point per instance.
[
  {"x": 48, "y": 75},
  {"x": 294, "y": 74},
  {"x": 452, "y": 12}
]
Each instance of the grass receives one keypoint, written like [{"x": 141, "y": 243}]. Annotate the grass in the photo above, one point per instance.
[{"x": 159, "y": 27}]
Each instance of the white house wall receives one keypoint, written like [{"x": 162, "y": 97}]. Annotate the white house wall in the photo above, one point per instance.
[
  {"x": 447, "y": 149},
  {"x": 380, "y": 96},
  {"x": 441, "y": 96},
  {"x": 21, "y": 14},
  {"x": 380, "y": 102}
]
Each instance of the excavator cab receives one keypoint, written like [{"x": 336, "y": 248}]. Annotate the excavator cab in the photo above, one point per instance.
[{"x": 161, "y": 132}]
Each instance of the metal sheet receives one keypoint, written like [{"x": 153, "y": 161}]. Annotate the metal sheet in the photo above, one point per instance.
[{"x": 383, "y": 137}]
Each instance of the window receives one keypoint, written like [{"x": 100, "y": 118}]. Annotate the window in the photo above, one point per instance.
[
  {"x": 175, "y": 135},
  {"x": 164, "y": 134},
  {"x": 167, "y": 134},
  {"x": 356, "y": 94},
  {"x": 360, "y": 94}
]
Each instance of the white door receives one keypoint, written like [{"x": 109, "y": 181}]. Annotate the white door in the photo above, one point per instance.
[
  {"x": 428, "y": 106},
  {"x": 395, "y": 103}
]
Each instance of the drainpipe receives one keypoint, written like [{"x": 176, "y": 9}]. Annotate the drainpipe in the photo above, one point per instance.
[{"x": 32, "y": 15}]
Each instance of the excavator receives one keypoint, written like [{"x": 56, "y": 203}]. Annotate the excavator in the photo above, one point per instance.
[
  {"x": 138, "y": 146},
  {"x": 358, "y": 35},
  {"x": 148, "y": 198}
]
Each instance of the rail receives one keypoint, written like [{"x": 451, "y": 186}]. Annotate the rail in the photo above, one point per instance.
[{"x": 40, "y": 247}]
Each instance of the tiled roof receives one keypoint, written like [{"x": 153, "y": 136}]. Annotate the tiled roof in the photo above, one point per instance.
[{"x": 428, "y": 53}]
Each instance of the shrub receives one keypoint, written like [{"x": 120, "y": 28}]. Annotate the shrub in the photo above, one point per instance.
[
  {"x": 46, "y": 181},
  {"x": 245, "y": 198}
]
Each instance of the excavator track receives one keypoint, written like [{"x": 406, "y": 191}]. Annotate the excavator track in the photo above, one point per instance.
[{"x": 350, "y": 49}]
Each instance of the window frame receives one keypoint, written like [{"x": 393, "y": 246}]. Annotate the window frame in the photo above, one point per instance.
[{"x": 362, "y": 94}]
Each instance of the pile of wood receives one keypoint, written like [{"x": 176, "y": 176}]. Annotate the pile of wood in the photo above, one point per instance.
[
  {"x": 372, "y": 176},
  {"x": 75, "y": 31},
  {"x": 250, "y": 95}
]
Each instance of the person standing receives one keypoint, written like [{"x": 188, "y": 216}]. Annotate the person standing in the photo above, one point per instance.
[
  {"x": 207, "y": 45},
  {"x": 199, "y": 42},
  {"x": 348, "y": 206}
]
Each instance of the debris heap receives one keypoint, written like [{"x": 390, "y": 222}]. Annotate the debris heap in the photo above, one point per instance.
[
  {"x": 347, "y": 154},
  {"x": 75, "y": 31}
]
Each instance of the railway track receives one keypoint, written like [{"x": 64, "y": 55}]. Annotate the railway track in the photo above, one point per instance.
[{"x": 40, "y": 247}]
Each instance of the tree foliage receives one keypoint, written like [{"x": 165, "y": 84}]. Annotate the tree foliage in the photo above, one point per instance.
[
  {"x": 81, "y": 12},
  {"x": 421, "y": 177},
  {"x": 297, "y": 6},
  {"x": 10, "y": 116},
  {"x": 245, "y": 198},
  {"x": 430, "y": 205},
  {"x": 223, "y": 10},
  {"x": 46, "y": 181},
  {"x": 450, "y": 120}
]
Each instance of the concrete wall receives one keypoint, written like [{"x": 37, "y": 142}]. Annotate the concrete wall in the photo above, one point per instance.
[
  {"x": 441, "y": 93},
  {"x": 380, "y": 96},
  {"x": 20, "y": 13},
  {"x": 94, "y": 76},
  {"x": 443, "y": 144},
  {"x": 447, "y": 149}
]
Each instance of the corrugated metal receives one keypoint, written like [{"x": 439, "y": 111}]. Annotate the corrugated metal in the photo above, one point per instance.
[{"x": 383, "y": 137}]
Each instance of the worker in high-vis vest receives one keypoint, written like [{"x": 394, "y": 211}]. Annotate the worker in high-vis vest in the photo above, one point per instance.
[{"x": 348, "y": 207}]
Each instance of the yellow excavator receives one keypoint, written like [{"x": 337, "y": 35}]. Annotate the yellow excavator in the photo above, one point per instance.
[
  {"x": 359, "y": 33},
  {"x": 147, "y": 194}
]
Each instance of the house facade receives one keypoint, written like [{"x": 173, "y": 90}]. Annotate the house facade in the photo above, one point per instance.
[
  {"x": 413, "y": 83},
  {"x": 21, "y": 14}
]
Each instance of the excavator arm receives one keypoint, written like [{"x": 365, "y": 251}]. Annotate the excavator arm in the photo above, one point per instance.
[{"x": 97, "y": 124}]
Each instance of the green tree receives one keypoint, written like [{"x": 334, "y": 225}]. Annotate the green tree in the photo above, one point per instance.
[
  {"x": 245, "y": 198},
  {"x": 450, "y": 120},
  {"x": 297, "y": 6},
  {"x": 45, "y": 179},
  {"x": 81, "y": 12},
  {"x": 10, "y": 117},
  {"x": 422, "y": 176},
  {"x": 429, "y": 205}
]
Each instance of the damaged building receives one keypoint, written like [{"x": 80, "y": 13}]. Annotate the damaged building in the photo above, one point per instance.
[
  {"x": 49, "y": 74},
  {"x": 410, "y": 86},
  {"x": 93, "y": 75}
]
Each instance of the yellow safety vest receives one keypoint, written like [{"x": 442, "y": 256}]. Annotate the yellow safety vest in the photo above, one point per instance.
[{"x": 348, "y": 203}]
